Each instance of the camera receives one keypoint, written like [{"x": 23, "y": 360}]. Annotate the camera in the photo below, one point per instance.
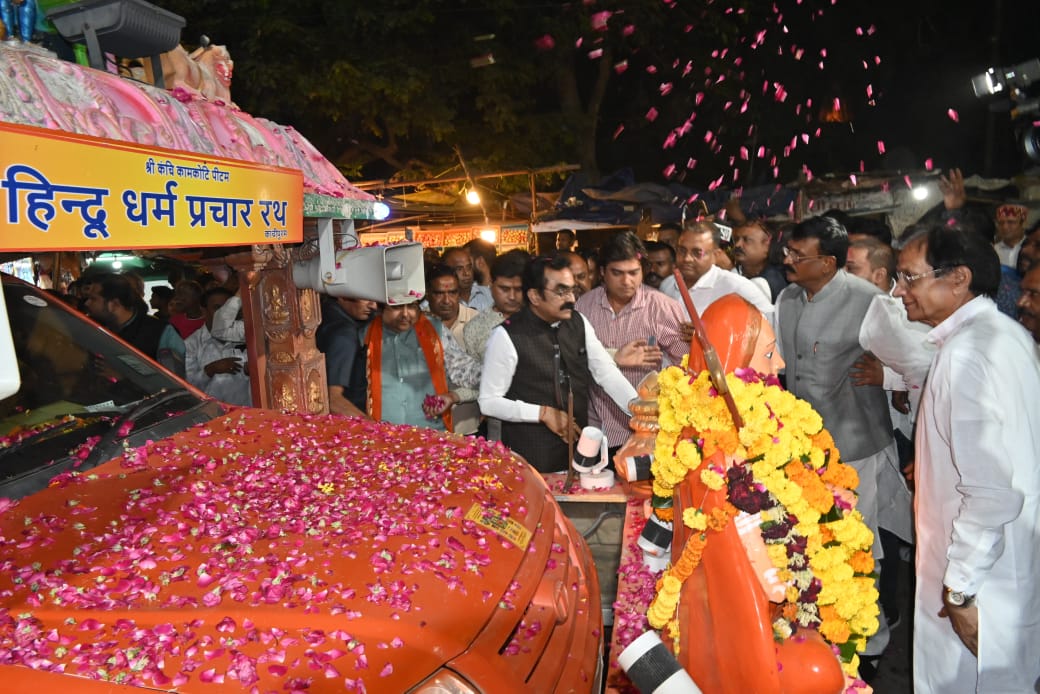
[{"x": 1016, "y": 82}]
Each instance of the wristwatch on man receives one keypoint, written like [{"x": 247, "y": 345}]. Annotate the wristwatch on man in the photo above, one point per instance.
[{"x": 956, "y": 598}]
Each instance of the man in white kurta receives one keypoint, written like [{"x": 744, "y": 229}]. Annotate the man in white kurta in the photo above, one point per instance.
[
  {"x": 216, "y": 366},
  {"x": 977, "y": 611}
]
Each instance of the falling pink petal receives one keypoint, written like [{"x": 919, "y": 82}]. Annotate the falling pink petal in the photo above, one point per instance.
[
  {"x": 651, "y": 115},
  {"x": 669, "y": 171},
  {"x": 690, "y": 163},
  {"x": 862, "y": 166},
  {"x": 620, "y": 67},
  {"x": 880, "y": 146},
  {"x": 665, "y": 88},
  {"x": 852, "y": 177},
  {"x": 628, "y": 30},
  {"x": 620, "y": 129},
  {"x": 599, "y": 20},
  {"x": 953, "y": 115},
  {"x": 545, "y": 43},
  {"x": 651, "y": 69},
  {"x": 596, "y": 54},
  {"x": 906, "y": 180},
  {"x": 928, "y": 164}
]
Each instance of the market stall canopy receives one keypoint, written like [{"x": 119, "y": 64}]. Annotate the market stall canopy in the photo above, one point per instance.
[{"x": 38, "y": 89}]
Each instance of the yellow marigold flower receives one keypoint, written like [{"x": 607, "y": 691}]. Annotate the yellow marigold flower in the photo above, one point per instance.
[
  {"x": 817, "y": 458},
  {"x": 661, "y": 489},
  {"x": 777, "y": 555},
  {"x": 865, "y": 625},
  {"x": 695, "y": 518},
  {"x": 712, "y": 480}
]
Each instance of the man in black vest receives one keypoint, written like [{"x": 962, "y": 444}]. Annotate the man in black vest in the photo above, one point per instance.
[{"x": 552, "y": 350}]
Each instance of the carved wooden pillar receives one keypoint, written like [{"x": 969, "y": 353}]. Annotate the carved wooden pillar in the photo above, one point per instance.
[{"x": 285, "y": 367}]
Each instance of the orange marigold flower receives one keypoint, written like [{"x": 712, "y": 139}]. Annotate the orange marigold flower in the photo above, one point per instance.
[
  {"x": 690, "y": 557},
  {"x": 862, "y": 562},
  {"x": 826, "y": 536},
  {"x": 840, "y": 475},
  {"x": 824, "y": 441},
  {"x": 725, "y": 440},
  {"x": 813, "y": 488},
  {"x": 832, "y": 626},
  {"x": 665, "y": 514},
  {"x": 720, "y": 515}
]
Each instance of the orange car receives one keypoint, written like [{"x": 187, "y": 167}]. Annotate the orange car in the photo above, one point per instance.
[{"x": 152, "y": 537}]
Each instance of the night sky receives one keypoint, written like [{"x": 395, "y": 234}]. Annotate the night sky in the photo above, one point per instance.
[{"x": 902, "y": 68}]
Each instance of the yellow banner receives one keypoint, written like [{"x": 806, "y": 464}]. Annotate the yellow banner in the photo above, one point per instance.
[{"x": 60, "y": 191}]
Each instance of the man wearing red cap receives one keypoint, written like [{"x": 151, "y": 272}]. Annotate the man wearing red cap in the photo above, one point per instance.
[{"x": 1011, "y": 228}]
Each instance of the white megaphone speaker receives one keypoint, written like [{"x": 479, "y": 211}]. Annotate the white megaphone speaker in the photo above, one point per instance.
[
  {"x": 387, "y": 274},
  {"x": 591, "y": 458}
]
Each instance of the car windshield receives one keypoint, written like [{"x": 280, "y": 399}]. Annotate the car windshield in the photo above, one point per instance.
[{"x": 82, "y": 392}]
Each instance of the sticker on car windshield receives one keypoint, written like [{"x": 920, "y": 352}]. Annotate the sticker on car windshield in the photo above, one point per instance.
[
  {"x": 510, "y": 529},
  {"x": 136, "y": 364}
]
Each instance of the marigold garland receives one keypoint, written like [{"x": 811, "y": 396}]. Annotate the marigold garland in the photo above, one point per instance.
[{"x": 789, "y": 471}]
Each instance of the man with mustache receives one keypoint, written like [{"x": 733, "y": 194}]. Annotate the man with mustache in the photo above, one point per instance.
[
  {"x": 535, "y": 358},
  {"x": 752, "y": 249},
  {"x": 818, "y": 321},
  {"x": 660, "y": 263},
  {"x": 1029, "y": 302}
]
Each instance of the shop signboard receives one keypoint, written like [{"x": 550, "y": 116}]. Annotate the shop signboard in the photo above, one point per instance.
[{"x": 62, "y": 191}]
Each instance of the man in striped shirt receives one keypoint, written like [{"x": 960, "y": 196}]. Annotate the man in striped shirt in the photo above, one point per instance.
[{"x": 626, "y": 313}]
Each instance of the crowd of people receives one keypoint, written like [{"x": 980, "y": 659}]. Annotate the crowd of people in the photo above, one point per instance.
[
  {"x": 175, "y": 327},
  {"x": 920, "y": 354}
]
